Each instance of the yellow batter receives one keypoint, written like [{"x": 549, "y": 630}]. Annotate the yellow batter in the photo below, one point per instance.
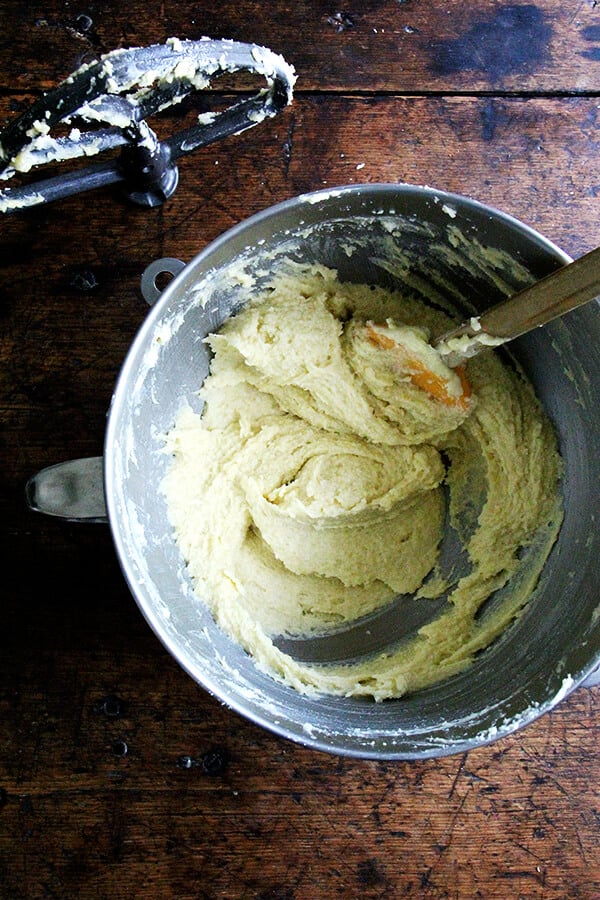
[{"x": 310, "y": 492}]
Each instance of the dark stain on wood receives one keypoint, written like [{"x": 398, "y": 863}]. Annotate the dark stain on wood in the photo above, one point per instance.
[
  {"x": 370, "y": 873},
  {"x": 514, "y": 39},
  {"x": 492, "y": 116},
  {"x": 97, "y": 797},
  {"x": 592, "y": 34}
]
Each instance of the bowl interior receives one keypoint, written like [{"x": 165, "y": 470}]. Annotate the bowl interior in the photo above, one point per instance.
[{"x": 440, "y": 245}]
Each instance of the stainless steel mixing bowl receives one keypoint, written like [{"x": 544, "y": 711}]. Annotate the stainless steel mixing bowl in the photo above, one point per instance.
[{"x": 393, "y": 235}]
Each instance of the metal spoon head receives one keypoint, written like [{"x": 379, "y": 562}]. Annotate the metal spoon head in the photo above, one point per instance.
[{"x": 398, "y": 621}]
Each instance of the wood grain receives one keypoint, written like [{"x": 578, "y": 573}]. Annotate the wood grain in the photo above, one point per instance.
[
  {"x": 119, "y": 776},
  {"x": 375, "y": 45}
]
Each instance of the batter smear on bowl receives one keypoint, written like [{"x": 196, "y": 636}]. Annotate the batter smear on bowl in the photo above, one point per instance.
[{"x": 333, "y": 450}]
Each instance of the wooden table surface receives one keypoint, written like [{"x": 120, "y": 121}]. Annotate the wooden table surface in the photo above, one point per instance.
[{"x": 119, "y": 775}]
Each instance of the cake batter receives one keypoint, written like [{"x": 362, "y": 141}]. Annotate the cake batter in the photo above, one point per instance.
[{"x": 313, "y": 488}]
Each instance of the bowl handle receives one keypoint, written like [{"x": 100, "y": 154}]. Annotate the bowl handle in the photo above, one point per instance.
[
  {"x": 72, "y": 490},
  {"x": 168, "y": 265}
]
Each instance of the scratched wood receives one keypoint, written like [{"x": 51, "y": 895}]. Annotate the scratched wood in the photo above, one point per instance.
[
  {"x": 120, "y": 769},
  {"x": 120, "y": 777},
  {"x": 397, "y": 45}
]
